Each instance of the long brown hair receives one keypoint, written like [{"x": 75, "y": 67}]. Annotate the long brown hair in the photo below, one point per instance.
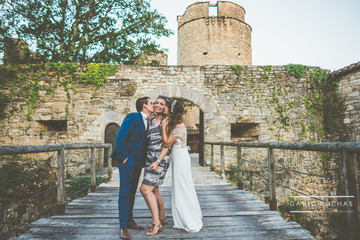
[{"x": 176, "y": 112}]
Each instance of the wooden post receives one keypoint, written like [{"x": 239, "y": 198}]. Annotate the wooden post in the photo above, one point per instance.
[
  {"x": 201, "y": 139},
  {"x": 352, "y": 194},
  {"x": 222, "y": 161},
  {"x": 99, "y": 151},
  {"x": 92, "y": 170},
  {"x": 239, "y": 168},
  {"x": 109, "y": 162},
  {"x": 212, "y": 158},
  {"x": 60, "y": 208},
  {"x": 271, "y": 161}
]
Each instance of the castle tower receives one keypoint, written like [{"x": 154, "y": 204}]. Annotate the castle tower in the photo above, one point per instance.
[{"x": 224, "y": 39}]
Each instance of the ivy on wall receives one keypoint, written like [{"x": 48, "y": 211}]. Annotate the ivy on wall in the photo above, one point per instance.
[
  {"x": 24, "y": 81},
  {"x": 323, "y": 104}
]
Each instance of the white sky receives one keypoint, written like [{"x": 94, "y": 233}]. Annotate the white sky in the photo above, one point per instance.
[{"x": 324, "y": 33}]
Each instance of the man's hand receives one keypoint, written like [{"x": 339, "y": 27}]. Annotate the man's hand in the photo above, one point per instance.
[{"x": 125, "y": 160}]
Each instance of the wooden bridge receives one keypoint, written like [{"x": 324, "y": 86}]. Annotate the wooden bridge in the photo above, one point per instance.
[{"x": 228, "y": 213}]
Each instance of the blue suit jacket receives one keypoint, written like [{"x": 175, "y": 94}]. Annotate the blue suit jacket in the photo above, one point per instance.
[{"x": 131, "y": 140}]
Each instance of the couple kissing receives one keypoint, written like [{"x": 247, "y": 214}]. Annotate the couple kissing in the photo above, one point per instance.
[{"x": 153, "y": 142}]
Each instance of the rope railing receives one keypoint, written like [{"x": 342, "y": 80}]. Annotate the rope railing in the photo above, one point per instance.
[
  {"x": 348, "y": 151},
  {"x": 27, "y": 177},
  {"x": 60, "y": 176},
  {"x": 28, "y": 198},
  {"x": 310, "y": 174}
]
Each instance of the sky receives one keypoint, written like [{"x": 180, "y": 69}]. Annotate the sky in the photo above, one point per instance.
[{"x": 324, "y": 33}]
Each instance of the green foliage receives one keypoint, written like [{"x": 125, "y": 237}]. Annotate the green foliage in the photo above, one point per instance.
[
  {"x": 249, "y": 80},
  {"x": 186, "y": 104},
  {"x": 79, "y": 185},
  {"x": 232, "y": 174},
  {"x": 303, "y": 129},
  {"x": 96, "y": 74},
  {"x": 23, "y": 179},
  {"x": 305, "y": 222},
  {"x": 237, "y": 69},
  {"x": 7, "y": 74},
  {"x": 267, "y": 69},
  {"x": 296, "y": 70},
  {"x": 26, "y": 79},
  {"x": 281, "y": 109},
  {"x": 4, "y": 99},
  {"x": 84, "y": 31},
  {"x": 10, "y": 170},
  {"x": 324, "y": 105}
]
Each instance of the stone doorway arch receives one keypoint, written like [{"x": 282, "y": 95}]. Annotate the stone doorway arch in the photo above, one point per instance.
[
  {"x": 111, "y": 131},
  {"x": 206, "y": 104}
]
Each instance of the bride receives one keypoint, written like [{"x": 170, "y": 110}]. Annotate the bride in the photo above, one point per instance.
[{"x": 185, "y": 205}]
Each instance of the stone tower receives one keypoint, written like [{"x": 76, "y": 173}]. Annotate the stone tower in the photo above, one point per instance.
[{"x": 224, "y": 39}]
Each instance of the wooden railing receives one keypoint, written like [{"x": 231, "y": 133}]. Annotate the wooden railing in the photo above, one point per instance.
[
  {"x": 348, "y": 152},
  {"x": 60, "y": 183}
]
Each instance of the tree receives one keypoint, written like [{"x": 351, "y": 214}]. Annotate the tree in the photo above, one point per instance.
[{"x": 111, "y": 31}]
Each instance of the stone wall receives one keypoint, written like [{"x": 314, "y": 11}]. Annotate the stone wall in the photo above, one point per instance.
[
  {"x": 234, "y": 106},
  {"x": 350, "y": 90},
  {"x": 224, "y": 97},
  {"x": 160, "y": 58},
  {"x": 191, "y": 117},
  {"x": 223, "y": 40}
]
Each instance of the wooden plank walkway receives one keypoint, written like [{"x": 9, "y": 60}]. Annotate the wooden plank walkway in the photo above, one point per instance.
[{"x": 228, "y": 213}]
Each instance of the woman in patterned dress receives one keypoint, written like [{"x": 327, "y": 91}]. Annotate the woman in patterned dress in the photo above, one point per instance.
[{"x": 157, "y": 163}]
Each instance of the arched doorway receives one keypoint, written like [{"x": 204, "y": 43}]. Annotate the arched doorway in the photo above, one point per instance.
[
  {"x": 111, "y": 132},
  {"x": 205, "y": 103}
]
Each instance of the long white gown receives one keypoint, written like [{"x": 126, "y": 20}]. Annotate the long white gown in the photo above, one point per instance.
[{"x": 185, "y": 205}]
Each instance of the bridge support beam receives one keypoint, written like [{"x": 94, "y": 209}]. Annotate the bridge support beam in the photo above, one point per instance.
[
  {"x": 222, "y": 161},
  {"x": 109, "y": 162},
  {"x": 352, "y": 193},
  {"x": 271, "y": 161},
  {"x": 239, "y": 168},
  {"x": 60, "y": 208},
  {"x": 93, "y": 170},
  {"x": 212, "y": 168}
]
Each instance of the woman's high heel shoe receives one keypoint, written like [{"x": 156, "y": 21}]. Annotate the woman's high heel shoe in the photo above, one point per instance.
[
  {"x": 164, "y": 221},
  {"x": 152, "y": 230}
]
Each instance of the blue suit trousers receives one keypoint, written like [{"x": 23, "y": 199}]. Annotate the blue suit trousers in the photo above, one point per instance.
[{"x": 129, "y": 179}]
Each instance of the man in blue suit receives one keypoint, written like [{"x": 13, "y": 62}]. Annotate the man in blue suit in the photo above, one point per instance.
[{"x": 130, "y": 153}]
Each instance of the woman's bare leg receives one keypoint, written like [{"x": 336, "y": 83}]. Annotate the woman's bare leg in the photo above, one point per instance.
[
  {"x": 151, "y": 201},
  {"x": 160, "y": 202}
]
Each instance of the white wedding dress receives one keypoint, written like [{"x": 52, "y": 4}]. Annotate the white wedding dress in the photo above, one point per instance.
[{"x": 185, "y": 205}]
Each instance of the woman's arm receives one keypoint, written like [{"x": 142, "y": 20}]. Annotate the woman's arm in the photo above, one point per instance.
[
  {"x": 165, "y": 148},
  {"x": 167, "y": 140},
  {"x": 154, "y": 166}
]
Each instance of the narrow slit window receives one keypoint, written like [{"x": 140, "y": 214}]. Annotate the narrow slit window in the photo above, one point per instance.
[
  {"x": 244, "y": 132},
  {"x": 53, "y": 125}
]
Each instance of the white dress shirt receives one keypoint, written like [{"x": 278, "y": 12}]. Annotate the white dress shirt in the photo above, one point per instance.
[{"x": 145, "y": 117}]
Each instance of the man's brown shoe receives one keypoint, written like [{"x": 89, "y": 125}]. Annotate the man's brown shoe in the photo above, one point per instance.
[
  {"x": 133, "y": 225},
  {"x": 124, "y": 234}
]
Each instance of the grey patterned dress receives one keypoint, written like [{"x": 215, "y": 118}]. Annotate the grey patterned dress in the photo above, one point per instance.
[{"x": 155, "y": 145}]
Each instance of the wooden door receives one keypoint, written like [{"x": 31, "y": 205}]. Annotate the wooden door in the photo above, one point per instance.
[{"x": 111, "y": 132}]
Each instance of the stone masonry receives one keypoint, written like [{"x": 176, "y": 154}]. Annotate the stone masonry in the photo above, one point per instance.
[
  {"x": 224, "y": 39},
  {"x": 224, "y": 97},
  {"x": 230, "y": 103}
]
